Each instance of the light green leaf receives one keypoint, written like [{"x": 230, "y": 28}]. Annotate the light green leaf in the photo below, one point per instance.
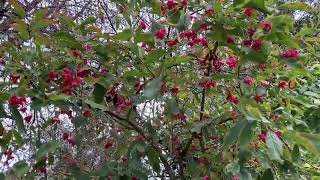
[
  {"x": 67, "y": 40},
  {"x": 22, "y": 28},
  {"x": 18, "y": 8},
  {"x": 41, "y": 24},
  {"x": 244, "y": 174},
  {"x": 153, "y": 88},
  {"x": 58, "y": 97},
  {"x": 256, "y": 4},
  {"x": 233, "y": 168},
  {"x": 125, "y": 35},
  {"x": 176, "y": 60},
  {"x": 135, "y": 73},
  {"x": 297, "y": 6},
  {"x": 312, "y": 39}
]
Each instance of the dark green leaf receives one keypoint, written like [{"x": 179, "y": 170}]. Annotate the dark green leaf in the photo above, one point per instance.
[
  {"x": 4, "y": 97},
  {"x": 89, "y": 20},
  {"x": 18, "y": 137},
  {"x": 155, "y": 55},
  {"x": 95, "y": 105},
  {"x": 267, "y": 175},
  {"x": 98, "y": 93},
  {"x": 153, "y": 157},
  {"x": 274, "y": 145},
  {"x": 18, "y": 119},
  {"x": 295, "y": 154},
  {"x": 3, "y": 113},
  {"x": 246, "y": 134},
  {"x": 234, "y": 133},
  {"x": 21, "y": 168},
  {"x": 46, "y": 148},
  {"x": 174, "y": 16},
  {"x": 183, "y": 23}
]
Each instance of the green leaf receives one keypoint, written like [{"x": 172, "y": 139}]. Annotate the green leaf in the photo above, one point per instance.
[
  {"x": 177, "y": 60},
  {"x": 234, "y": 133},
  {"x": 3, "y": 113},
  {"x": 297, "y": 6},
  {"x": 244, "y": 174},
  {"x": 174, "y": 16},
  {"x": 312, "y": 39},
  {"x": 22, "y": 28},
  {"x": 57, "y": 97},
  {"x": 18, "y": 119},
  {"x": 307, "y": 30},
  {"x": 153, "y": 157},
  {"x": 18, "y": 8},
  {"x": 89, "y": 20},
  {"x": 39, "y": 15},
  {"x": 238, "y": 2},
  {"x": 274, "y": 145},
  {"x": 155, "y": 55},
  {"x": 281, "y": 23},
  {"x": 7, "y": 138},
  {"x": 135, "y": 73},
  {"x": 147, "y": 37},
  {"x": 246, "y": 134},
  {"x": 295, "y": 154},
  {"x": 267, "y": 175},
  {"x": 257, "y": 57},
  {"x": 65, "y": 39},
  {"x": 125, "y": 35},
  {"x": 18, "y": 137},
  {"x": 233, "y": 168},
  {"x": 46, "y": 148},
  {"x": 41, "y": 24},
  {"x": 4, "y": 97},
  {"x": 153, "y": 88},
  {"x": 21, "y": 168},
  {"x": 183, "y": 23},
  {"x": 95, "y": 105},
  {"x": 98, "y": 93},
  {"x": 218, "y": 35},
  {"x": 307, "y": 140},
  {"x": 258, "y": 5}
]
